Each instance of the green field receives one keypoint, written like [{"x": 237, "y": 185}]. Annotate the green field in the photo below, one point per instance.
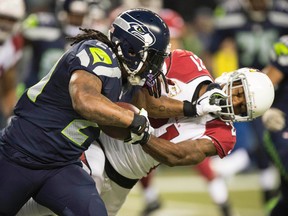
[{"x": 184, "y": 193}]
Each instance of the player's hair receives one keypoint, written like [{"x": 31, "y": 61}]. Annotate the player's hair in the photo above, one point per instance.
[{"x": 90, "y": 34}]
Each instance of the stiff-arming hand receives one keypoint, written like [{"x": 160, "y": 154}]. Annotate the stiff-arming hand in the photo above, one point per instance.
[
  {"x": 206, "y": 103},
  {"x": 274, "y": 119},
  {"x": 141, "y": 134}
]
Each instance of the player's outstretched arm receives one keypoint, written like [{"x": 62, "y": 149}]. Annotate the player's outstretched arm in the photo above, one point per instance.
[
  {"x": 189, "y": 152},
  {"x": 166, "y": 107},
  {"x": 162, "y": 107}
]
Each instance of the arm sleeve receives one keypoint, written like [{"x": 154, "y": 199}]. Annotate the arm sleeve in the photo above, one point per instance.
[{"x": 223, "y": 136}]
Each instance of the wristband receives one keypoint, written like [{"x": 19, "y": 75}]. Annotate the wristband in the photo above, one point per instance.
[
  {"x": 145, "y": 139},
  {"x": 189, "y": 109},
  {"x": 213, "y": 86}
]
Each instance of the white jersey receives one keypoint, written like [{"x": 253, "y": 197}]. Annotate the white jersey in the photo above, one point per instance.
[
  {"x": 132, "y": 162},
  {"x": 10, "y": 52}
]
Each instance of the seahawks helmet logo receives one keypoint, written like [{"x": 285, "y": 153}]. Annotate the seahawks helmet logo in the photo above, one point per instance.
[{"x": 136, "y": 28}]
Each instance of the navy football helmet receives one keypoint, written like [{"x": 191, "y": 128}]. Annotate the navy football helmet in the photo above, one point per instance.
[{"x": 142, "y": 41}]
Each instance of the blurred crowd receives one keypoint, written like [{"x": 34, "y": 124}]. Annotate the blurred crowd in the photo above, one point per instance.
[
  {"x": 226, "y": 34},
  {"x": 42, "y": 27}
]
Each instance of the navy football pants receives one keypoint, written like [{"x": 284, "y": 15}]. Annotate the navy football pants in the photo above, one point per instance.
[{"x": 67, "y": 191}]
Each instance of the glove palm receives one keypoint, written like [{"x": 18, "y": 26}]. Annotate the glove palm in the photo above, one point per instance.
[{"x": 274, "y": 119}]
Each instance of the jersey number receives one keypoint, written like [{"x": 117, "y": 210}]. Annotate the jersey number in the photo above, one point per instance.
[
  {"x": 198, "y": 62},
  {"x": 73, "y": 130},
  {"x": 171, "y": 133}
]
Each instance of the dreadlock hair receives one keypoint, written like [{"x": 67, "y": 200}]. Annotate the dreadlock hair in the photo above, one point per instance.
[
  {"x": 91, "y": 34},
  {"x": 97, "y": 35}
]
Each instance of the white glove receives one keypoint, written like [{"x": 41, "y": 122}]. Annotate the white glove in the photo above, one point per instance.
[
  {"x": 143, "y": 137},
  {"x": 206, "y": 103},
  {"x": 274, "y": 119}
]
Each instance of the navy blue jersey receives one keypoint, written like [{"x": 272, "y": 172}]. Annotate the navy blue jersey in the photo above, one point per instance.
[
  {"x": 279, "y": 59},
  {"x": 46, "y": 131},
  {"x": 276, "y": 142},
  {"x": 45, "y": 54},
  {"x": 253, "y": 38},
  {"x": 46, "y": 48}
]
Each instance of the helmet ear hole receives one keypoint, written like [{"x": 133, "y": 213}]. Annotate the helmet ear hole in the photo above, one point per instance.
[{"x": 131, "y": 52}]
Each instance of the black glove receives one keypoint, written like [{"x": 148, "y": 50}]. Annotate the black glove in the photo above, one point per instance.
[{"x": 140, "y": 129}]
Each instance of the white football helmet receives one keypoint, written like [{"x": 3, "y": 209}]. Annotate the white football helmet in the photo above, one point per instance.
[
  {"x": 258, "y": 89},
  {"x": 13, "y": 9},
  {"x": 11, "y": 13}
]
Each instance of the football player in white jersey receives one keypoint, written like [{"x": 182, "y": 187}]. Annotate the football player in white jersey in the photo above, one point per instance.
[
  {"x": 117, "y": 166},
  {"x": 11, "y": 47}
]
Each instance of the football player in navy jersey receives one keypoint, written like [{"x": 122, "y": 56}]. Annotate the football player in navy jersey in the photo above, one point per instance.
[
  {"x": 276, "y": 120},
  {"x": 253, "y": 25},
  {"x": 249, "y": 27},
  {"x": 57, "y": 119},
  {"x": 116, "y": 166}
]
